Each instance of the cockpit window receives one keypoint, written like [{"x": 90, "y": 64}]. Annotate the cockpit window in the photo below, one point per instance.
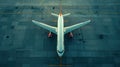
[{"x": 60, "y": 51}]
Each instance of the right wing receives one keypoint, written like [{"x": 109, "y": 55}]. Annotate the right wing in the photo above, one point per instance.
[
  {"x": 73, "y": 27},
  {"x": 45, "y": 26}
]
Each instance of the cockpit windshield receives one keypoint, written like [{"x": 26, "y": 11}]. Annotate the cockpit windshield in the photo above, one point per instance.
[{"x": 60, "y": 51}]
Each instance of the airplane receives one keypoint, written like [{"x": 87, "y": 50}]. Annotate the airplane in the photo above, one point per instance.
[{"x": 60, "y": 30}]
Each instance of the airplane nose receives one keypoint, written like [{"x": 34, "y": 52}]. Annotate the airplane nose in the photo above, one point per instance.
[{"x": 60, "y": 53}]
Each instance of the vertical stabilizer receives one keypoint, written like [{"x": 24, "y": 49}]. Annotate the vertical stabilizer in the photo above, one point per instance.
[{"x": 60, "y": 6}]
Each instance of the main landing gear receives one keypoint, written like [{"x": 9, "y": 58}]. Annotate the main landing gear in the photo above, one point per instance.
[
  {"x": 49, "y": 34},
  {"x": 71, "y": 35}
]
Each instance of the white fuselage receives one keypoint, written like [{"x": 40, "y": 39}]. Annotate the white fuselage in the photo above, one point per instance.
[
  {"x": 60, "y": 30},
  {"x": 60, "y": 37}
]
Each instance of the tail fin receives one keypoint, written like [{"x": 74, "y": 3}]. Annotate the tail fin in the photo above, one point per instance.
[
  {"x": 60, "y": 6},
  {"x": 60, "y": 12}
]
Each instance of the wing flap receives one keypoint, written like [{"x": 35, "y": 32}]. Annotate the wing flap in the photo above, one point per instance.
[
  {"x": 45, "y": 26},
  {"x": 73, "y": 27}
]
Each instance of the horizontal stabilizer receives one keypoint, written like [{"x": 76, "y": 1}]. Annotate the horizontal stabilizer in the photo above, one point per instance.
[
  {"x": 54, "y": 14},
  {"x": 66, "y": 14}
]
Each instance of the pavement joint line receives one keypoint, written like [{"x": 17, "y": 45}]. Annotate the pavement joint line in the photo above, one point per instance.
[
  {"x": 60, "y": 65},
  {"x": 112, "y": 13}
]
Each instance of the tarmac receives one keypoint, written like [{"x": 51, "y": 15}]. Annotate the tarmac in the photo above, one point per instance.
[{"x": 23, "y": 44}]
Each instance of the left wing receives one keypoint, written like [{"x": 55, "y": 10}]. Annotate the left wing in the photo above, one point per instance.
[
  {"x": 73, "y": 27},
  {"x": 45, "y": 26}
]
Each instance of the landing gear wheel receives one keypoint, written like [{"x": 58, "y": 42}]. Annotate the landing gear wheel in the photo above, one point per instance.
[
  {"x": 49, "y": 34},
  {"x": 70, "y": 35}
]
